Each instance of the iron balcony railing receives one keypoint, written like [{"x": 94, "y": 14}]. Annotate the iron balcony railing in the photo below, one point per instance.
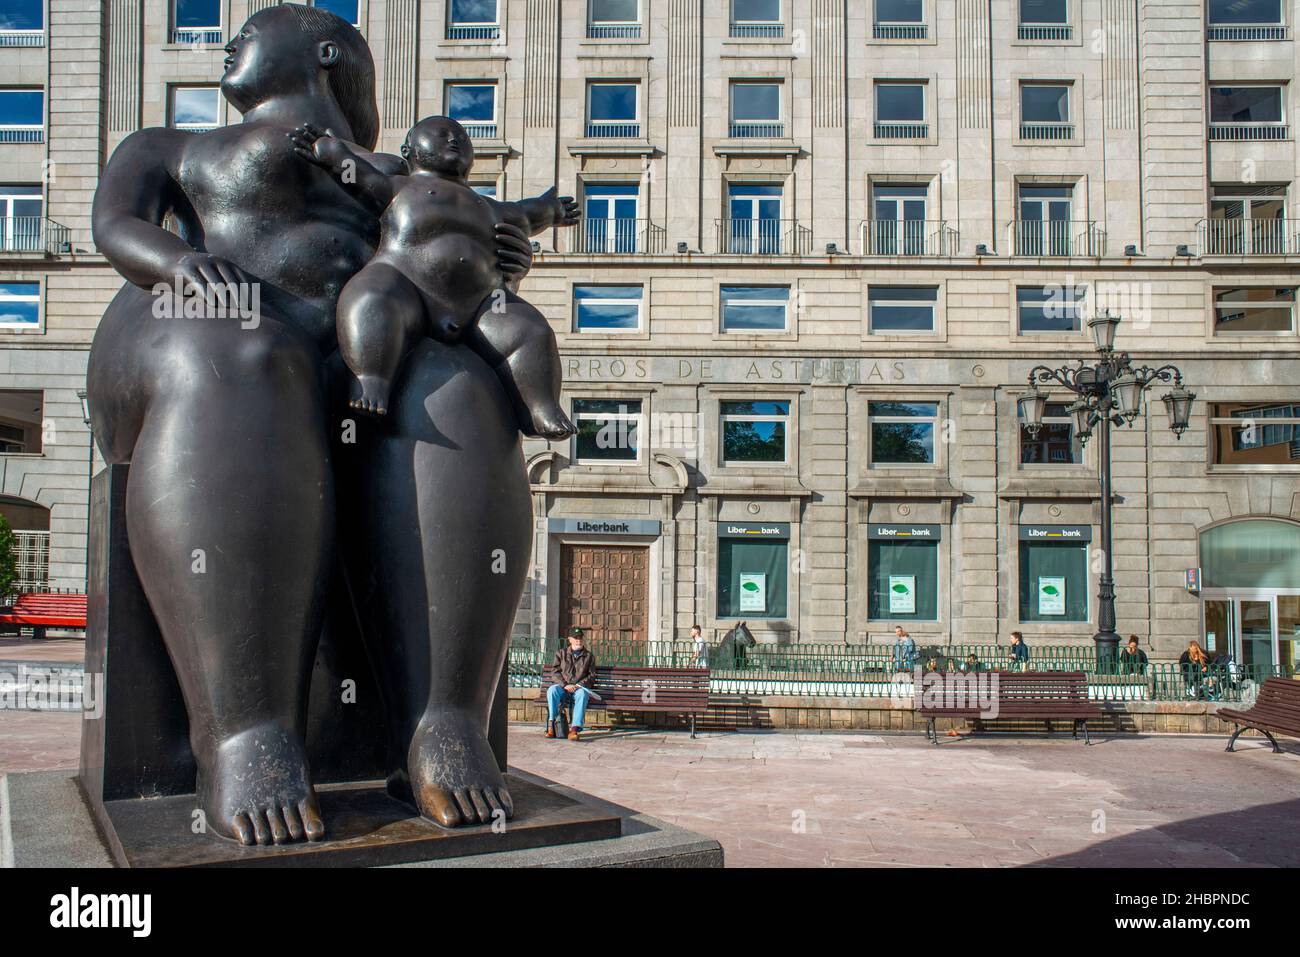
[
  {"x": 613, "y": 237},
  {"x": 1044, "y": 31},
  {"x": 900, "y": 31},
  {"x": 763, "y": 237},
  {"x": 1249, "y": 132},
  {"x": 1057, "y": 237},
  {"x": 480, "y": 131},
  {"x": 474, "y": 31},
  {"x": 34, "y": 234},
  {"x": 907, "y": 237},
  {"x": 22, "y": 134},
  {"x": 1047, "y": 131},
  {"x": 602, "y": 130},
  {"x": 754, "y": 129},
  {"x": 1261, "y": 31},
  {"x": 772, "y": 31},
  {"x": 614, "y": 31},
  {"x": 1246, "y": 237},
  {"x": 22, "y": 38},
  {"x": 191, "y": 36},
  {"x": 902, "y": 131}
]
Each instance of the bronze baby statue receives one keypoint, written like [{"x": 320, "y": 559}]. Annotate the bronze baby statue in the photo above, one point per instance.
[{"x": 435, "y": 269}]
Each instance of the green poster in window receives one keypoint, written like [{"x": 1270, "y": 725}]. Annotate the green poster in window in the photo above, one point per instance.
[
  {"x": 902, "y": 594},
  {"x": 1051, "y": 595},
  {"x": 753, "y": 591}
]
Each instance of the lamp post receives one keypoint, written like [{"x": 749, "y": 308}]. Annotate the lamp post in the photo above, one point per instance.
[{"x": 1107, "y": 392}]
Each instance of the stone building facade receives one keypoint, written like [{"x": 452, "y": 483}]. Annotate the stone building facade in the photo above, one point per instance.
[{"x": 824, "y": 243}]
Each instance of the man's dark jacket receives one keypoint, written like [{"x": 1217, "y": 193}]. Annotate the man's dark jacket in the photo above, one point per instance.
[{"x": 574, "y": 670}]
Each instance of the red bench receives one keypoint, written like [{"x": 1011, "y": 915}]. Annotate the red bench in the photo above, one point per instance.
[{"x": 41, "y": 610}]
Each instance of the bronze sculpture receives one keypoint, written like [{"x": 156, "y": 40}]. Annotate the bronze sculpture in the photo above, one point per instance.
[{"x": 233, "y": 433}]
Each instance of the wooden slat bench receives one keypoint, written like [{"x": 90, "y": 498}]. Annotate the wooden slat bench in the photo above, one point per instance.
[
  {"x": 1276, "y": 711},
  {"x": 41, "y": 610},
  {"x": 623, "y": 688},
  {"x": 1022, "y": 695}
]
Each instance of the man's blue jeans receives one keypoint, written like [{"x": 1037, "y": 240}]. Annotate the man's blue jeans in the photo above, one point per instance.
[{"x": 557, "y": 697}]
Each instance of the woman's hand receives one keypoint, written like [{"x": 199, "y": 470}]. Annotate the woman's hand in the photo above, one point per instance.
[
  {"x": 514, "y": 252},
  {"x": 204, "y": 270}
]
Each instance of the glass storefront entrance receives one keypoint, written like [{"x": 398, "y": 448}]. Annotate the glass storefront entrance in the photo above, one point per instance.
[{"x": 1250, "y": 596}]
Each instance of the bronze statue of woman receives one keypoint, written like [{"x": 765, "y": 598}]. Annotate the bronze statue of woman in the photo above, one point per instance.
[{"x": 242, "y": 486}]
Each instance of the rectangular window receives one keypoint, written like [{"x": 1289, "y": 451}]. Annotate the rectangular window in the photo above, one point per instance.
[
  {"x": 22, "y": 22},
  {"x": 1254, "y": 310},
  {"x": 612, "y": 109},
  {"x": 20, "y": 305},
  {"x": 902, "y": 308},
  {"x": 485, "y": 189},
  {"x": 21, "y": 414},
  {"x": 752, "y": 578},
  {"x": 474, "y": 106},
  {"x": 22, "y": 219},
  {"x": 902, "y": 433},
  {"x": 1055, "y": 443},
  {"x": 755, "y": 308},
  {"x": 1050, "y": 308},
  {"x": 1245, "y": 12},
  {"x": 902, "y": 581},
  {"x": 473, "y": 20},
  {"x": 900, "y": 20},
  {"x": 608, "y": 430},
  {"x": 196, "y": 21},
  {"x": 1247, "y": 113},
  {"x": 900, "y": 111},
  {"x": 1045, "y": 111},
  {"x": 755, "y": 224},
  {"x": 614, "y": 19},
  {"x": 609, "y": 223},
  {"x": 195, "y": 108},
  {"x": 1044, "y": 20},
  {"x": 756, "y": 18},
  {"x": 22, "y": 116},
  {"x": 1053, "y": 581},
  {"x": 349, "y": 10},
  {"x": 607, "y": 308},
  {"x": 756, "y": 109},
  {"x": 1247, "y": 219},
  {"x": 1255, "y": 433},
  {"x": 754, "y": 432}
]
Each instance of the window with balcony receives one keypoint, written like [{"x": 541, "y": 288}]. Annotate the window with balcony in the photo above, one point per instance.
[
  {"x": 902, "y": 309},
  {"x": 196, "y": 22},
  {"x": 1045, "y": 112},
  {"x": 474, "y": 106},
  {"x": 1246, "y": 20},
  {"x": 1046, "y": 226},
  {"x": 756, "y": 109},
  {"x": 613, "y": 110},
  {"x": 1055, "y": 443},
  {"x": 473, "y": 20},
  {"x": 21, "y": 415},
  {"x": 754, "y": 223},
  {"x": 608, "y": 431},
  {"x": 754, "y": 432},
  {"x": 755, "y": 308},
  {"x": 195, "y": 108},
  {"x": 900, "y": 20},
  {"x": 1050, "y": 308},
  {"x": 900, "y": 111},
  {"x": 610, "y": 223},
  {"x": 757, "y": 18},
  {"x": 1044, "y": 20},
  {"x": 22, "y": 116},
  {"x": 1247, "y": 113},
  {"x": 614, "y": 19},
  {"x": 1247, "y": 220},
  {"x": 1254, "y": 434},
  {"x": 1254, "y": 310},
  {"x": 349, "y": 10},
  {"x": 22, "y": 23},
  {"x": 604, "y": 309},
  {"x": 22, "y": 219},
  {"x": 20, "y": 305},
  {"x": 902, "y": 433},
  {"x": 899, "y": 225}
]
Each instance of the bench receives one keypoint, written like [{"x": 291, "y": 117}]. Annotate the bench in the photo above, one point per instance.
[
  {"x": 623, "y": 688},
  {"x": 41, "y": 610},
  {"x": 1276, "y": 710},
  {"x": 1021, "y": 695}
]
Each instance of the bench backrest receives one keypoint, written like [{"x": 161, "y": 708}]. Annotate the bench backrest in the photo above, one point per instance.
[
  {"x": 650, "y": 688},
  {"x": 49, "y": 603},
  {"x": 1281, "y": 693},
  {"x": 1042, "y": 685}
]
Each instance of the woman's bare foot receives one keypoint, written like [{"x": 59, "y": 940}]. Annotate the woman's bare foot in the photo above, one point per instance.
[
  {"x": 370, "y": 394},
  {"x": 257, "y": 791},
  {"x": 454, "y": 778}
]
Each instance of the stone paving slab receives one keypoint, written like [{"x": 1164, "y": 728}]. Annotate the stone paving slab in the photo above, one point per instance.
[{"x": 66, "y": 650}]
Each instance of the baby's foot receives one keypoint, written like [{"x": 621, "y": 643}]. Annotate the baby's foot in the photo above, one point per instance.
[
  {"x": 550, "y": 422},
  {"x": 370, "y": 394}
]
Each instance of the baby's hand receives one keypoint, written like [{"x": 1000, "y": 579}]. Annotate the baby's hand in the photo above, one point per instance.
[
  {"x": 565, "y": 208},
  {"x": 320, "y": 147}
]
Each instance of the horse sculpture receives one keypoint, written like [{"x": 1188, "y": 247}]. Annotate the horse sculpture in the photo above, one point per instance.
[{"x": 731, "y": 650}]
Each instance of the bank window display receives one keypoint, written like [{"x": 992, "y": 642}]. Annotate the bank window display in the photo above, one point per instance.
[
  {"x": 895, "y": 309},
  {"x": 602, "y": 309},
  {"x": 902, "y": 433},
  {"x": 608, "y": 430},
  {"x": 1053, "y": 581},
  {"x": 754, "y": 432},
  {"x": 1050, "y": 308},
  {"x": 1055, "y": 443},
  {"x": 1245, "y": 434},
  {"x": 753, "y": 573},
  {"x": 755, "y": 308},
  {"x": 903, "y": 580},
  {"x": 1254, "y": 310}
]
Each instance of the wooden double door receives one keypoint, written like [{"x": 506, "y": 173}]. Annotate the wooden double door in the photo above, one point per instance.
[{"x": 605, "y": 591}]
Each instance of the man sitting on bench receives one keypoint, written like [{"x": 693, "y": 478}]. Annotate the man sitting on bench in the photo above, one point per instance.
[{"x": 575, "y": 673}]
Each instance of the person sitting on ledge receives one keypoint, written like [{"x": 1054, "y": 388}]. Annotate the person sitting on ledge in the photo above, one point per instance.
[{"x": 575, "y": 673}]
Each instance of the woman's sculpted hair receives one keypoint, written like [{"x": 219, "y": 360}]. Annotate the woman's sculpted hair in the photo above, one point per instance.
[{"x": 352, "y": 80}]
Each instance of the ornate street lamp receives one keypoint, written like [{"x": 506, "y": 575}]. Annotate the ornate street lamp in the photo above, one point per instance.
[{"x": 1108, "y": 392}]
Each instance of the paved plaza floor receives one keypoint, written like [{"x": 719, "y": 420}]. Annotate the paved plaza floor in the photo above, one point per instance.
[{"x": 848, "y": 800}]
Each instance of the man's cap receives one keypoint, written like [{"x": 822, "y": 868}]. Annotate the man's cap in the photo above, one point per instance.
[{"x": 575, "y": 632}]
